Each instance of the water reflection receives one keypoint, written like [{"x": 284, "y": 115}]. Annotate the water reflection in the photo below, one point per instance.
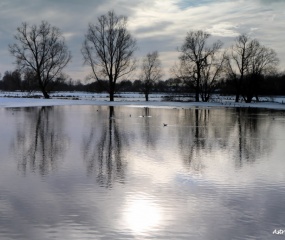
[
  {"x": 148, "y": 131},
  {"x": 208, "y": 174},
  {"x": 40, "y": 141},
  {"x": 142, "y": 214},
  {"x": 241, "y": 131},
  {"x": 194, "y": 142},
  {"x": 102, "y": 150},
  {"x": 250, "y": 129}
]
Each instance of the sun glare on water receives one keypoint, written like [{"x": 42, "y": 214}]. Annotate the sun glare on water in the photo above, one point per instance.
[{"x": 142, "y": 215}]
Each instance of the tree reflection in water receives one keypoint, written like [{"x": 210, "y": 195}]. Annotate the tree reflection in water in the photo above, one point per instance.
[
  {"x": 192, "y": 142},
  {"x": 148, "y": 132},
  {"x": 250, "y": 126},
  {"x": 102, "y": 150},
  {"x": 40, "y": 141},
  {"x": 240, "y": 131}
]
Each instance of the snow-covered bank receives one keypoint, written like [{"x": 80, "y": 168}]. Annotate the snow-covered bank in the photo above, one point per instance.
[
  {"x": 32, "y": 102},
  {"x": 86, "y": 95},
  {"x": 21, "y": 99}
]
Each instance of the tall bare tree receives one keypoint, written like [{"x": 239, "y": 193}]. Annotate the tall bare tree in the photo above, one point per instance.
[
  {"x": 263, "y": 61},
  {"x": 194, "y": 56},
  {"x": 41, "y": 50},
  {"x": 151, "y": 72},
  {"x": 108, "y": 49},
  {"x": 247, "y": 63},
  {"x": 238, "y": 61}
]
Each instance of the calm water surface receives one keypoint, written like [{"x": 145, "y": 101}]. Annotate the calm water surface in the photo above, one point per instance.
[{"x": 93, "y": 172}]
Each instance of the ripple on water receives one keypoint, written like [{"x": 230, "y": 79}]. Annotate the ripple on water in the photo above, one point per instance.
[{"x": 94, "y": 172}]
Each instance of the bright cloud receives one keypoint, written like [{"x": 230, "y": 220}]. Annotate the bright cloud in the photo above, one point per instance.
[{"x": 156, "y": 24}]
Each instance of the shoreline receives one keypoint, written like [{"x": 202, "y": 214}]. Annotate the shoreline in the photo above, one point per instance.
[{"x": 10, "y": 102}]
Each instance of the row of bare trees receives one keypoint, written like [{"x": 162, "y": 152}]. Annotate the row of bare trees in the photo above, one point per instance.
[
  {"x": 109, "y": 50},
  {"x": 247, "y": 63},
  {"x": 203, "y": 66}
]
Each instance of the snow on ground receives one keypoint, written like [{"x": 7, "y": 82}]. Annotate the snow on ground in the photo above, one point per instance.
[{"x": 19, "y": 99}]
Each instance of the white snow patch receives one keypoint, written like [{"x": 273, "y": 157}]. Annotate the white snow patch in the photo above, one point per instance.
[{"x": 129, "y": 99}]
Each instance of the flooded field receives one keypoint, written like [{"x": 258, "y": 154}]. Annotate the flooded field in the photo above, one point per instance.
[{"x": 101, "y": 172}]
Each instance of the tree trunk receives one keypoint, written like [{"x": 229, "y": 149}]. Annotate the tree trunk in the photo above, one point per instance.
[
  {"x": 197, "y": 93},
  {"x": 202, "y": 96},
  {"x": 46, "y": 96},
  {"x": 43, "y": 88},
  {"x": 248, "y": 99},
  {"x": 111, "y": 96},
  {"x": 207, "y": 98},
  {"x": 198, "y": 82},
  {"x": 237, "y": 97},
  {"x": 146, "y": 96},
  {"x": 197, "y": 96},
  {"x": 238, "y": 89},
  {"x": 111, "y": 91}
]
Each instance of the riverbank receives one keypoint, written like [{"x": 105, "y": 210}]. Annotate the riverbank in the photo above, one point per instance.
[{"x": 6, "y": 102}]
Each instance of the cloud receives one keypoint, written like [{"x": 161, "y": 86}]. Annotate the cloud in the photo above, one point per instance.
[
  {"x": 224, "y": 29},
  {"x": 156, "y": 24},
  {"x": 272, "y": 2}
]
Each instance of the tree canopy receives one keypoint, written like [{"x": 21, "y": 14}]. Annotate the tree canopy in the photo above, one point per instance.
[
  {"x": 109, "y": 49},
  {"x": 41, "y": 50}
]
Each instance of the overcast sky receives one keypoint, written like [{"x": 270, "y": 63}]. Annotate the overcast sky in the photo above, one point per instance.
[{"x": 156, "y": 24}]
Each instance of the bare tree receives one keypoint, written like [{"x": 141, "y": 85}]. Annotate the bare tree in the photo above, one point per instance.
[
  {"x": 41, "y": 50},
  {"x": 246, "y": 65},
  {"x": 108, "y": 49},
  {"x": 262, "y": 62},
  {"x": 194, "y": 57},
  {"x": 238, "y": 61},
  {"x": 211, "y": 74},
  {"x": 151, "y": 72}
]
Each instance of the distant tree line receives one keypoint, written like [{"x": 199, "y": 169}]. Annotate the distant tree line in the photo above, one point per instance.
[
  {"x": 14, "y": 81},
  {"x": 247, "y": 69}
]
